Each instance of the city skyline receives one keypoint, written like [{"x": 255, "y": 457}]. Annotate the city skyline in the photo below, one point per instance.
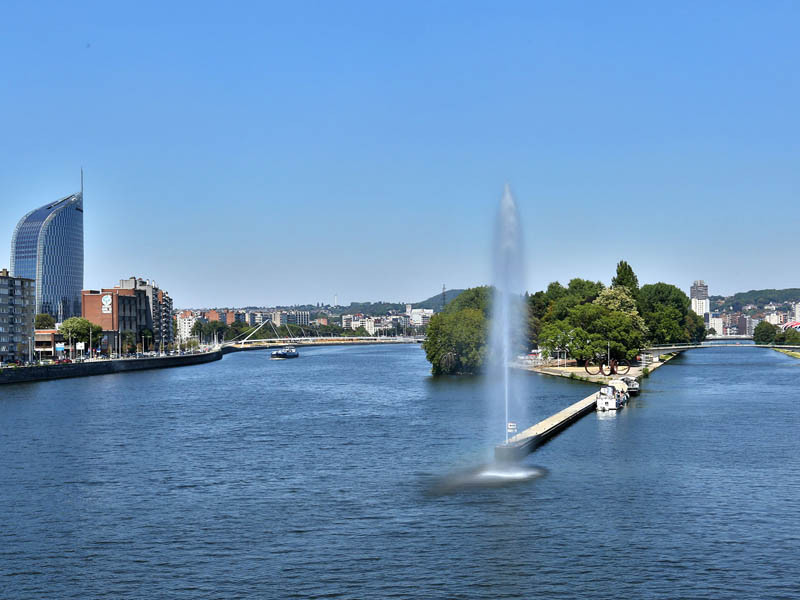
[{"x": 214, "y": 142}]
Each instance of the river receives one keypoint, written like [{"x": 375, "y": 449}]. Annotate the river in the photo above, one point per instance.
[{"x": 312, "y": 478}]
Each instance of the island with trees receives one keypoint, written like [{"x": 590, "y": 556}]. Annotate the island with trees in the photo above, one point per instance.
[{"x": 583, "y": 319}]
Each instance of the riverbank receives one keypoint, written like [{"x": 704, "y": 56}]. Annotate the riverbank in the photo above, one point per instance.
[
  {"x": 106, "y": 367},
  {"x": 788, "y": 352},
  {"x": 103, "y": 367}
]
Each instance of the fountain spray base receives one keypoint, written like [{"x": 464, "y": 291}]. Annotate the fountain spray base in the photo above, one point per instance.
[{"x": 517, "y": 450}]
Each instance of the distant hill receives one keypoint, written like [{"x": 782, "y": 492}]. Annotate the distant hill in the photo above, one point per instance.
[
  {"x": 758, "y": 297},
  {"x": 435, "y": 302},
  {"x": 375, "y": 309}
]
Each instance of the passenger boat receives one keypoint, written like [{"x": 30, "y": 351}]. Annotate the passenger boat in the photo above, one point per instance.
[{"x": 286, "y": 352}]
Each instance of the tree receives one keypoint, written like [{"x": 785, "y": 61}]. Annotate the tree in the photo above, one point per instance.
[
  {"x": 665, "y": 309},
  {"x": 619, "y": 299},
  {"x": 456, "y": 341},
  {"x": 626, "y": 278},
  {"x": 44, "y": 321},
  {"x": 764, "y": 333},
  {"x": 789, "y": 337},
  {"x": 147, "y": 337},
  {"x": 76, "y": 329},
  {"x": 479, "y": 298},
  {"x": 197, "y": 328},
  {"x": 128, "y": 340}
]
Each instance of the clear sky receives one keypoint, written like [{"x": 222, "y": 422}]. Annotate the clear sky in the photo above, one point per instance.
[{"x": 283, "y": 152}]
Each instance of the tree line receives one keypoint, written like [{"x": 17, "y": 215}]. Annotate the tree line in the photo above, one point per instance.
[
  {"x": 767, "y": 333},
  {"x": 584, "y": 319}
]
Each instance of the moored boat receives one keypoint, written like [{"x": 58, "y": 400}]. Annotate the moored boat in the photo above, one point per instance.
[{"x": 632, "y": 383}]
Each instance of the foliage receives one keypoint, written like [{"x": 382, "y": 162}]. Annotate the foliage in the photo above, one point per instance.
[
  {"x": 477, "y": 298},
  {"x": 456, "y": 341},
  {"x": 665, "y": 309},
  {"x": 595, "y": 330},
  {"x": 764, "y": 333},
  {"x": 76, "y": 329},
  {"x": 44, "y": 321},
  {"x": 626, "y": 278},
  {"x": 128, "y": 339},
  {"x": 790, "y": 337}
]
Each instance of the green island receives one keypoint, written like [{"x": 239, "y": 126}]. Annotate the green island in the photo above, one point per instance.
[{"x": 584, "y": 319}]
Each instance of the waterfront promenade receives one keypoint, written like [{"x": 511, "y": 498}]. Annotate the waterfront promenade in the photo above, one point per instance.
[{"x": 88, "y": 368}]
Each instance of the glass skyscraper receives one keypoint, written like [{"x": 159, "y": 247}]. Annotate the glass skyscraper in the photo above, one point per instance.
[{"x": 47, "y": 246}]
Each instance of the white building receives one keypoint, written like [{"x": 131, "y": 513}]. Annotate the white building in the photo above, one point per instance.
[
  {"x": 420, "y": 316},
  {"x": 717, "y": 324},
  {"x": 279, "y": 318},
  {"x": 186, "y": 321},
  {"x": 773, "y": 318},
  {"x": 797, "y": 311},
  {"x": 701, "y": 306}
]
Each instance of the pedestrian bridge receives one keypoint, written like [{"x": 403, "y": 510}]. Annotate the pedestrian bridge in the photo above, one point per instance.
[
  {"x": 320, "y": 341},
  {"x": 667, "y": 348}
]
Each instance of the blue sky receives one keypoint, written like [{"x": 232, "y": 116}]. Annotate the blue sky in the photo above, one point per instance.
[{"x": 283, "y": 152}]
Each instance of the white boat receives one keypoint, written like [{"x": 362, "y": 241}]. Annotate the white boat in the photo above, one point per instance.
[
  {"x": 608, "y": 399},
  {"x": 633, "y": 385},
  {"x": 287, "y": 352},
  {"x": 612, "y": 396}
]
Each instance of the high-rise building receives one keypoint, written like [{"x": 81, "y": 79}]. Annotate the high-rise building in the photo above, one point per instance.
[
  {"x": 699, "y": 297},
  {"x": 47, "y": 246},
  {"x": 16, "y": 317},
  {"x": 160, "y": 309}
]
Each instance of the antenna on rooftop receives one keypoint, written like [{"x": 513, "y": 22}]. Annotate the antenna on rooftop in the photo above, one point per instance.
[{"x": 81, "y": 182}]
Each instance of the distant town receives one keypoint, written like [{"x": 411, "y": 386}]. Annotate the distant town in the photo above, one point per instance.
[
  {"x": 738, "y": 315},
  {"x": 46, "y": 314}
]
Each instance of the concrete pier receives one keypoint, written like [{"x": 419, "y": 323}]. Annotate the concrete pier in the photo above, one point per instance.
[{"x": 526, "y": 441}]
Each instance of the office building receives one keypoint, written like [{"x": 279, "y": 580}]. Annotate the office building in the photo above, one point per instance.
[
  {"x": 298, "y": 317},
  {"x": 47, "y": 247},
  {"x": 17, "y": 303}
]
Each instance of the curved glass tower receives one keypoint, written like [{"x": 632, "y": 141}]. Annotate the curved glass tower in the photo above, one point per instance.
[{"x": 47, "y": 246}]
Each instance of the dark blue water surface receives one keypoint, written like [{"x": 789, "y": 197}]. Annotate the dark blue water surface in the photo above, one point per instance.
[{"x": 312, "y": 478}]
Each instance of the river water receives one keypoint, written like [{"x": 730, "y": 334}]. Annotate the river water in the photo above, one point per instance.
[{"x": 315, "y": 478}]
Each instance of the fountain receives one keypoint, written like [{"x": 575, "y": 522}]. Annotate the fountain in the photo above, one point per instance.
[
  {"x": 507, "y": 335},
  {"x": 507, "y": 338}
]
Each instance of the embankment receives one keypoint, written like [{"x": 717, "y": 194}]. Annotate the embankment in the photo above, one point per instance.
[{"x": 103, "y": 367}]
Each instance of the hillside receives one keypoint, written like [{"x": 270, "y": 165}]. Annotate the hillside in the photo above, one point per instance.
[
  {"x": 758, "y": 297},
  {"x": 435, "y": 302},
  {"x": 374, "y": 309}
]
